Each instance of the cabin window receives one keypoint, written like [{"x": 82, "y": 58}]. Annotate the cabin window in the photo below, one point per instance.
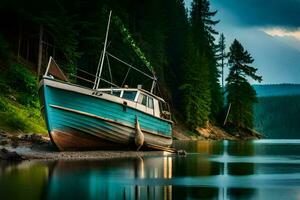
[
  {"x": 130, "y": 95},
  {"x": 142, "y": 99},
  {"x": 116, "y": 93},
  {"x": 112, "y": 92},
  {"x": 150, "y": 102}
]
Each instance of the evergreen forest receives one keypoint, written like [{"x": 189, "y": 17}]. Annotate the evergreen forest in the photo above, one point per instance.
[{"x": 182, "y": 46}]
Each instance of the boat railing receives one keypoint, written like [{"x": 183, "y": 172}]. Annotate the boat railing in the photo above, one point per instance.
[
  {"x": 104, "y": 58},
  {"x": 55, "y": 71}
]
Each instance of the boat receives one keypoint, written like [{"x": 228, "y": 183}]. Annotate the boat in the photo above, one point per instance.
[{"x": 117, "y": 117}]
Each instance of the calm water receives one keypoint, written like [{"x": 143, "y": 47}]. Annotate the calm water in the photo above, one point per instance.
[{"x": 265, "y": 169}]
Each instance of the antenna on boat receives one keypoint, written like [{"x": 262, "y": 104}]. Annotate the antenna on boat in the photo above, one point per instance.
[{"x": 102, "y": 57}]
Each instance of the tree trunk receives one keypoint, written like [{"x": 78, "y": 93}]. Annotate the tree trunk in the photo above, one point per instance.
[
  {"x": 227, "y": 114},
  {"x": 20, "y": 39},
  {"x": 40, "y": 53}
]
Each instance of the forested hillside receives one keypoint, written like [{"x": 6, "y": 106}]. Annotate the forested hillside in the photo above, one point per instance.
[
  {"x": 162, "y": 35},
  {"x": 277, "y": 113},
  {"x": 278, "y": 116},
  {"x": 156, "y": 34},
  {"x": 277, "y": 90}
]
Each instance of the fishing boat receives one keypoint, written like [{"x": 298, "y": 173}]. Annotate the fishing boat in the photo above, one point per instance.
[{"x": 79, "y": 117}]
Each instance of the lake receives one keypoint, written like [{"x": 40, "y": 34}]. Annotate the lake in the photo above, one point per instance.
[{"x": 263, "y": 169}]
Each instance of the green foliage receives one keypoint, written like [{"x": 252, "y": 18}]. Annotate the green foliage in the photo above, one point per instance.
[
  {"x": 15, "y": 121},
  {"x": 202, "y": 98},
  {"x": 179, "y": 47},
  {"x": 4, "y": 87},
  {"x": 242, "y": 97},
  {"x": 21, "y": 79},
  {"x": 22, "y": 113},
  {"x": 129, "y": 40},
  {"x": 3, "y": 105},
  {"x": 196, "y": 91},
  {"x": 241, "y": 94},
  {"x": 15, "y": 117},
  {"x": 203, "y": 24}
]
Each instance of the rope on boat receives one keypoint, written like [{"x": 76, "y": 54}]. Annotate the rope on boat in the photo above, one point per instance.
[{"x": 139, "y": 137}]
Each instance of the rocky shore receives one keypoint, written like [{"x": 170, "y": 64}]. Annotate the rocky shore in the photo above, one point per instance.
[{"x": 212, "y": 132}]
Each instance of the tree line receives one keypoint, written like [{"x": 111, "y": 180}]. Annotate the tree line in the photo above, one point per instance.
[{"x": 179, "y": 44}]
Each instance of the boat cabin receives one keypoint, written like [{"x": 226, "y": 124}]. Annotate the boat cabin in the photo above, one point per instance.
[
  {"x": 144, "y": 100},
  {"x": 137, "y": 98}
]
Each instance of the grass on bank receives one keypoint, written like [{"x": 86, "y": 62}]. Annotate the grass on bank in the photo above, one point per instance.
[
  {"x": 19, "y": 104},
  {"x": 15, "y": 117}
]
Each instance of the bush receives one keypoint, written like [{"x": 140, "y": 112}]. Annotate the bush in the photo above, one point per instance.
[
  {"x": 4, "y": 88},
  {"x": 21, "y": 79},
  {"x": 3, "y": 105}
]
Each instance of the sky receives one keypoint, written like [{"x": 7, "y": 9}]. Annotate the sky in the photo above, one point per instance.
[{"x": 269, "y": 30}]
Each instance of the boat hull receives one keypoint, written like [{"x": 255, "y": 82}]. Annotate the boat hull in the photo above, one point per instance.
[
  {"x": 78, "y": 120},
  {"x": 72, "y": 140}
]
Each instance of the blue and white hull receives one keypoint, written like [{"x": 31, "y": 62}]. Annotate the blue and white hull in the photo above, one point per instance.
[{"x": 82, "y": 118}]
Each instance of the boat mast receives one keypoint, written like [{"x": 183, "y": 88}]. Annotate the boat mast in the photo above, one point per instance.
[
  {"x": 105, "y": 54},
  {"x": 153, "y": 84},
  {"x": 98, "y": 76}
]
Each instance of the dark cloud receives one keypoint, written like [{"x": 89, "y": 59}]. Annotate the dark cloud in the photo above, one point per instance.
[
  {"x": 284, "y": 13},
  {"x": 277, "y": 58}
]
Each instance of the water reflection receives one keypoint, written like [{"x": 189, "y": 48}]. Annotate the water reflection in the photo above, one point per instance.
[
  {"x": 212, "y": 170},
  {"x": 25, "y": 180},
  {"x": 112, "y": 179}
]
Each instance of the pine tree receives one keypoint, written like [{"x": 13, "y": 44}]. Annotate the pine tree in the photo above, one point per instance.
[
  {"x": 202, "y": 36},
  {"x": 180, "y": 49},
  {"x": 176, "y": 37},
  {"x": 195, "y": 90},
  {"x": 241, "y": 94},
  {"x": 203, "y": 25}
]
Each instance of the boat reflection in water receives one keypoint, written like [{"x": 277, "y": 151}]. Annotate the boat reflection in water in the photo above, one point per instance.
[{"x": 111, "y": 179}]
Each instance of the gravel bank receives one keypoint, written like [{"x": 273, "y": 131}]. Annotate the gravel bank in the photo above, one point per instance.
[
  {"x": 38, "y": 147},
  {"x": 47, "y": 153}
]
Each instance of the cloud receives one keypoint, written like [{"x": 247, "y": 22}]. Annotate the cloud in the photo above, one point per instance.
[
  {"x": 263, "y": 13},
  {"x": 269, "y": 30},
  {"x": 281, "y": 32}
]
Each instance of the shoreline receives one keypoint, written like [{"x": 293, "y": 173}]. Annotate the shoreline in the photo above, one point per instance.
[
  {"x": 214, "y": 133},
  {"x": 37, "y": 147},
  {"x": 28, "y": 153},
  {"x": 15, "y": 146}
]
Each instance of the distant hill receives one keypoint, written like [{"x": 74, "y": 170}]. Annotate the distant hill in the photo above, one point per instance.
[
  {"x": 277, "y": 114},
  {"x": 277, "y": 90},
  {"x": 278, "y": 117}
]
